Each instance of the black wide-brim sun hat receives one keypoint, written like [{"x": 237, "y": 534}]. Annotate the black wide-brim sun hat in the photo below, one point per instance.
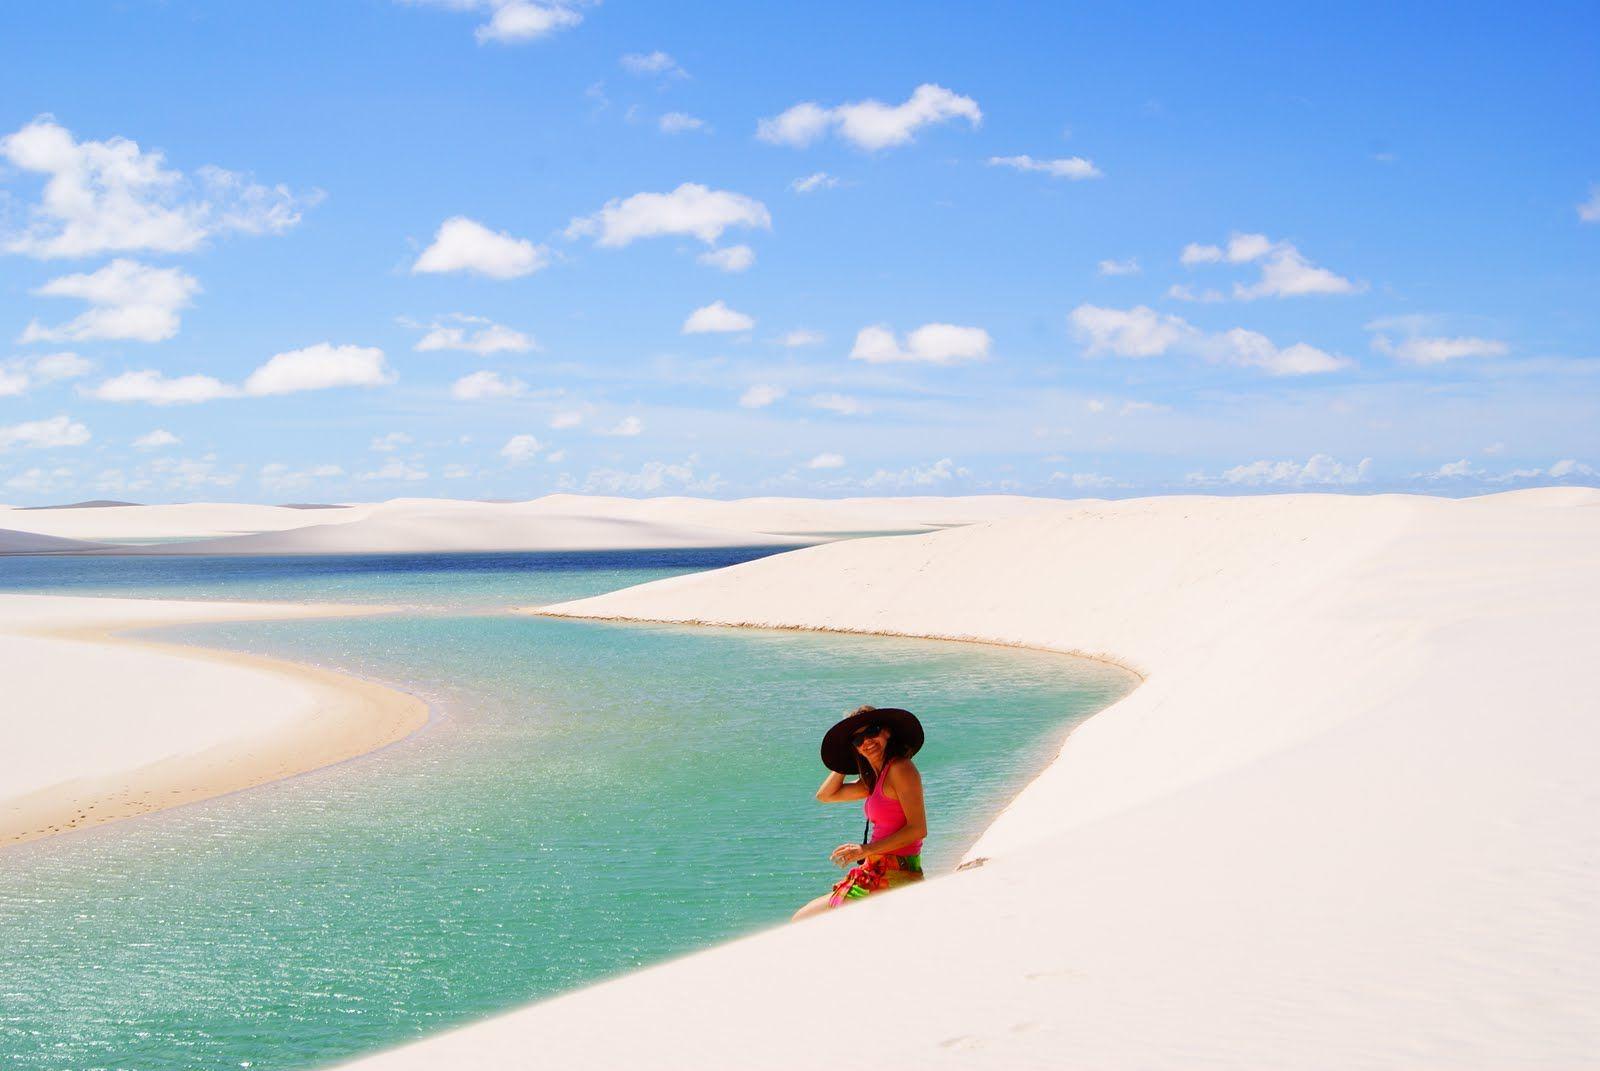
[{"x": 905, "y": 731}]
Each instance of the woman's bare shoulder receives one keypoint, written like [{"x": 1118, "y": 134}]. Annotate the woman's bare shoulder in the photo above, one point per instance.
[{"x": 901, "y": 772}]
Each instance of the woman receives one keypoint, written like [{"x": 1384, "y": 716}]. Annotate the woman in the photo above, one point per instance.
[{"x": 877, "y": 745}]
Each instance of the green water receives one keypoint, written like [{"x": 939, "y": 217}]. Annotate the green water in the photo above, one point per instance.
[{"x": 587, "y": 798}]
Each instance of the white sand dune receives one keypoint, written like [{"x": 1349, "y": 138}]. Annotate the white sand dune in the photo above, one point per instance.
[
  {"x": 188, "y": 520},
  {"x": 408, "y": 526},
  {"x": 554, "y": 522},
  {"x": 94, "y": 728},
  {"x": 806, "y": 515},
  {"x": 32, "y": 543},
  {"x": 1349, "y": 820}
]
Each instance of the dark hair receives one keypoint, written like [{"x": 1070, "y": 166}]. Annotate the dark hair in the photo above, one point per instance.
[{"x": 894, "y": 750}]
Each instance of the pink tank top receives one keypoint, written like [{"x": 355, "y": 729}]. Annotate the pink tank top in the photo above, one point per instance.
[{"x": 886, "y": 815}]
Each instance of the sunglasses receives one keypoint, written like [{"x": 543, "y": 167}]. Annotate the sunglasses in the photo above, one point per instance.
[{"x": 864, "y": 732}]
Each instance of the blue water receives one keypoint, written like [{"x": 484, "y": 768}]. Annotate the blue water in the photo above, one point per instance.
[{"x": 587, "y": 798}]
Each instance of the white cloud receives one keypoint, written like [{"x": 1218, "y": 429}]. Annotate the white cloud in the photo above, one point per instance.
[
  {"x": 826, "y": 461},
  {"x": 192, "y": 473},
  {"x": 1589, "y": 211},
  {"x": 716, "y": 318},
  {"x": 515, "y": 21},
  {"x": 44, "y": 434},
  {"x": 1285, "y": 272},
  {"x": 569, "y": 419},
  {"x": 1252, "y": 349},
  {"x": 156, "y": 440},
  {"x": 486, "y": 384},
  {"x": 649, "y": 63},
  {"x": 155, "y": 388},
  {"x": 474, "y": 334},
  {"x": 49, "y": 367},
  {"x": 817, "y": 180},
  {"x": 691, "y": 209},
  {"x": 652, "y": 476},
  {"x": 1142, "y": 332},
  {"x": 940, "y": 471},
  {"x": 276, "y": 476},
  {"x": 456, "y": 472},
  {"x": 462, "y": 244},
  {"x": 681, "y": 123},
  {"x": 1565, "y": 469},
  {"x": 1452, "y": 470},
  {"x": 1082, "y": 481},
  {"x": 1184, "y": 292},
  {"x": 843, "y": 404},
  {"x": 931, "y": 344},
  {"x": 802, "y": 337},
  {"x": 388, "y": 444},
  {"x": 1120, "y": 267},
  {"x": 37, "y": 479},
  {"x": 396, "y": 470},
  {"x": 320, "y": 367},
  {"x": 1129, "y": 408},
  {"x": 1135, "y": 332},
  {"x": 113, "y": 197},
  {"x": 20, "y": 374},
  {"x": 627, "y": 427},
  {"x": 1415, "y": 348},
  {"x": 1075, "y": 168},
  {"x": 317, "y": 367},
  {"x": 520, "y": 448},
  {"x": 870, "y": 124},
  {"x": 1568, "y": 467},
  {"x": 555, "y": 457},
  {"x": 760, "y": 396},
  {"x": 735, "y": 258},
  {"x": 1319, "y": 470},
  {"x": 128, "y": 300},
  {"x": 1195, "y": 253}
]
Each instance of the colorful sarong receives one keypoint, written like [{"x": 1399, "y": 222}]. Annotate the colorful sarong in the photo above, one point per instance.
[{"x": 876, "y": 874}]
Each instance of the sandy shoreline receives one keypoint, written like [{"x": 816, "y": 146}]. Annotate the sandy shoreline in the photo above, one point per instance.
[
  {"x": 175, "y": 724},
  {"x": 1347, "y": 821}
]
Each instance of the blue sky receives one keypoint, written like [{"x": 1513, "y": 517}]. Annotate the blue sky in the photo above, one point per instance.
[{"x": 498, "y": 248}]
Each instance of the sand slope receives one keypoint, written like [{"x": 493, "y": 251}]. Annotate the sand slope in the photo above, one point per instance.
[
  {"x": 32, "y": 543},
  {"x": 96, "y": 728},
  {"x": 189, "y": 520},
  {"x": 554, "y": 522},
  {"x": 1350, "y": 820},
  {"x": 407, "y": 526},
  {"x": 805, "y": 515}
]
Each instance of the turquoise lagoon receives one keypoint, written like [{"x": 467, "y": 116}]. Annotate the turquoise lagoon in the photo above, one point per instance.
[{"x": 587, "y": 798}]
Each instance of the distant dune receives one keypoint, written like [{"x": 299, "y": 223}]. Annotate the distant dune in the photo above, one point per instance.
[
  {"x": 466, "y": 527},
  {"x": 554, "y": 522},
  {"x": 33, "y": 543}
]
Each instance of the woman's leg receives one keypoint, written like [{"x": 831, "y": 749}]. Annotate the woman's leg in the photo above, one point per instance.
[{"x": 815, "y": 907}]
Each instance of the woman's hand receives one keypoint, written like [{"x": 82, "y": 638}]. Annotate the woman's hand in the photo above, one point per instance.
[{"x": 846, "y": 855}]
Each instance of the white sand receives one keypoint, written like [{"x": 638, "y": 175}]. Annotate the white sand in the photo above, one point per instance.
[
  {"x": 93, "y": 728},
  {"x": 555, "y": 522},
  {"x": 1350, "y": 820},
  {"x": 12, "y": 542},
  {"x": 189, "y": 520},
  {"x": 410, "y": 527},
  {"x": 806, "y": 515}
]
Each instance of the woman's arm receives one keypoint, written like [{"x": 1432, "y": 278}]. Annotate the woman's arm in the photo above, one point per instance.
[
  {"x": 907, "y": 785},
  {"x": 834, "y": 789}
]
